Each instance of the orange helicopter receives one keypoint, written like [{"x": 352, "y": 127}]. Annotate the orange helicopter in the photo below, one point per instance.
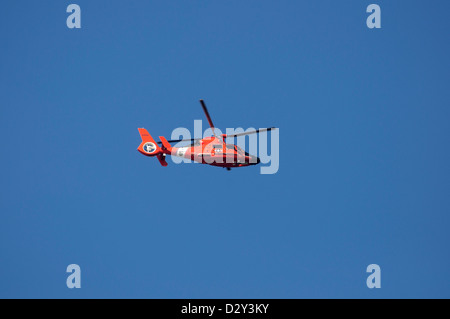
[{"x": 211, "y": 150}]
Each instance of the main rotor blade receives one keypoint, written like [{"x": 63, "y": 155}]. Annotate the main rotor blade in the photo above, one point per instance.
[
  {"x": 186, "y": 140},
  {"x": 252, "y": 132},
  {"x": 207, "y": 114},
  {"x": 230, "y": 135}
]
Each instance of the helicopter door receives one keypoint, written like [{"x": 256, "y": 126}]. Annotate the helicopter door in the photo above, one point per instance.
[
  {"x": 231, "y": 153},
  {"x": 217, "y": 151}
]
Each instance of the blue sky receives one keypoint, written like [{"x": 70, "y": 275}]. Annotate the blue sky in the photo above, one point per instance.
[{"x": 364, "y": 159}]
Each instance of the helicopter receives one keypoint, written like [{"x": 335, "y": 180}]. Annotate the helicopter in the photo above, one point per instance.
[{"x": 211, "y": 150}]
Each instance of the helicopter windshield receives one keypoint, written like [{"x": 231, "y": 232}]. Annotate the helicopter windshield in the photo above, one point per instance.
[
  {"x": 236, "y": 148},
  {"x": 239, "y": 150}
]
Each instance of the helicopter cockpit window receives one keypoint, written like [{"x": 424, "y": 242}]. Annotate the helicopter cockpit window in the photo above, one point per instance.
[
  {"x": 230, "y": 146},
  {"x": 217, "y": 146}
]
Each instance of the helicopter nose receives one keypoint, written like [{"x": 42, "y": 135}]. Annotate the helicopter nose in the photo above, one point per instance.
[{"x": 255, "y": 160}]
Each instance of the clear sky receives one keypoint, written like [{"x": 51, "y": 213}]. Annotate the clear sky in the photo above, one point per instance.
[{"x": 364, "y": 177}]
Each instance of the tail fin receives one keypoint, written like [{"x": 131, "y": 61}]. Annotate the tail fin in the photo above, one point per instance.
[
  {"x": 166, "y": 144},
  {"x": 148, "y": 146}
]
